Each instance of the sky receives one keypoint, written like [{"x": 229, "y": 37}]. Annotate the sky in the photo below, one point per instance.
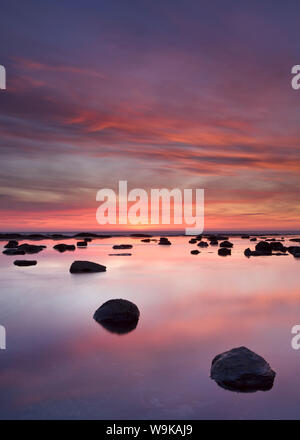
[{"x": 163, "y": 94}]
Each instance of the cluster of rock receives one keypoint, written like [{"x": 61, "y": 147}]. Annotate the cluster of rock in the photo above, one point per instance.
[
  {"x": 22, "y": 249},
  {"x": 272, "y": 248}
]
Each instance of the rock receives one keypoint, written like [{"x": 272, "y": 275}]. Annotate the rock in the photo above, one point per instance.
[
  {"x": 253, "y": 239},
  {"x": 146, "y": 240},
  {"x": 293, "y": 250},
  {"x": 118, "y": 316},
  {"x": 214, "y": 242},
  {"x": 226, "y": 244},
  {"x": 198, "y": 237},
  {"x": 263, "y": 248},
  {"x": 193, "y": 241},
  {"x": 224, "y": 251},
  {"x": 11, "y": 244},
  {"x": 119, "y": 255},
  {"x": 64, "y": 247},
  {"x": 141, "y": 235},
  {"x": 240, "y": 369},
  {"x": 122, "y": 246},
  {"x": 277, "y": 246},
  {"x": 14, "y": 251},
  {"x": 81, "y": 243},
  {"x": 25, "y": 262},
  {"x": 88, "y": 240},
  {"x": 195, "y": 252},
  {"x": 86, "y": 267},
  {"x": 202, "y": 244},
  {"x": 248, "y": 252},
  {"x": 31, "y": 248},
  {"x": 297, "y": 240},
  {"x": 245, "y": 236},
  {"x": 164, "y": 241}
]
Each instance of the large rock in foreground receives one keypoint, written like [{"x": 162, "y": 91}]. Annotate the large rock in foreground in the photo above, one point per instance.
[
  {"x": 240, "y": 369},
  {"x": 86, "y": 267},
  {"x": 118, "y": 316}
]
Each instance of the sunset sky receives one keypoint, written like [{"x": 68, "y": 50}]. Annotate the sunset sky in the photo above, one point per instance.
[{"x": 170, "y": 93}]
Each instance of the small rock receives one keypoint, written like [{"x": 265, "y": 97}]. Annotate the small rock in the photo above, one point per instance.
[
  {"x": 25, "y": 262},
  {"x": 202, "y": 244},
  {"x": 64, "y": 247},
  {"x": 86, "y": 267},
  {"x": 122, "y": 246},
  {"x": 164, "y": 241},
  {"x": 224, "y": 251},
  {"x": 11, "y": 244},
  {"x": 240, "y": 369},
  {"x": 118, "y": 316},
  {"x": 82, "y": 243},
  {"x": 193, "y": 241},
  {"x": 226, "y": 244},
  {"x": 195, "y": 252}
]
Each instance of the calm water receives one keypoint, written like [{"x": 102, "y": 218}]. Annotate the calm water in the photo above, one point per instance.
[{"x": 59, "y": 363}]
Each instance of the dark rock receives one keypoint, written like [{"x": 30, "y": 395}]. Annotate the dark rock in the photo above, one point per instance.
[
  {"x": 164, "y": 241},
  {"x": 64, "y": 247},
  {"x": 146, "y": 240},
  {"x": 195, "y": 252},
  {"x": 297, "y": 240},
  {"x": 122, "y": 246},
  {"x": 248, "y": 252},
  {"x": 25, "y": 262},
  {"x": 214, "y": 243},
  {"x": 31, "y": 248},
  {"x": 293, "y": 250},
  {"x": 240, "y": 369},
  {"x": 277, "y": 246},
  {"x": 193, "y": 241},
  {"x": 253, "y": 239},
  {"x": 14, "y": 251},
  {"x": 11, "y": 244},
  {"x": 198, "y": 237},
  {"x": 224, "y": 251},
  {"x": 86, "y": 267},
  {"x": 202, "y": 244},
  {"x": 120, "y": 255},
  {"x": 118, "y": 316},
  {"x": 245, "y": 236},
  {"x": 81, "y": 243},
  {"x": 264, "y": 248},
  {"x": 226, "y": 244}
]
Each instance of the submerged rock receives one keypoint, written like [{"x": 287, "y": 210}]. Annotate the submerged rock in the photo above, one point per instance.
[
  {"x": 119, "y": 255},
  {"x": 11, "y": 244},
  {"x": 224, "y": 251},
  {"x": 146, "y": 240},
  {"x": 64, "y": 247},
  {"x": 118, "y": 316},
  {"x": 253, "y": 239},
  {"x": 86, "y": 267},
  {"x": 25, "y": 262},
  {"x": 240, "y": 369},
  {"x": 195, "y": 252},
  {"x": 245, "y": 236},
  {"x": 122, "y": 246}
]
